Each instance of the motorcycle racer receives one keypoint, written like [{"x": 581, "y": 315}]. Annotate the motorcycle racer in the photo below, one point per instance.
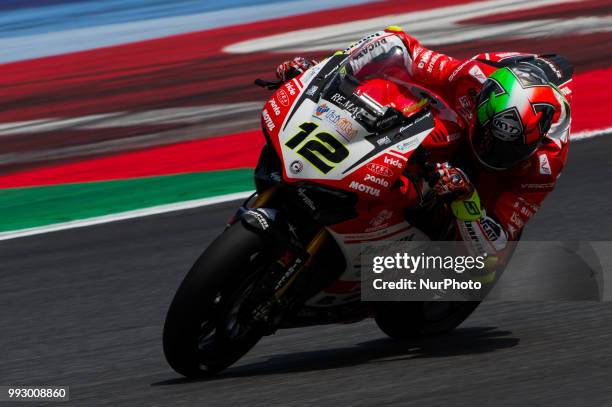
[{"x": 508, "y": 144}]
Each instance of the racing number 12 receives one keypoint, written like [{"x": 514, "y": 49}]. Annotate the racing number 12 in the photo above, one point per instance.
[{"x": 320, "y": 145}]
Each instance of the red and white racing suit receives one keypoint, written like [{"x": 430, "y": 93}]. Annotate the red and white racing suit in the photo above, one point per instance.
[{"x": 509, "y": 198}]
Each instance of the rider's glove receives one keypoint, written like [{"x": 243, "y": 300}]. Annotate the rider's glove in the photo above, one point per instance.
[
  {"x": 290, "y": 69},
  {"x": 450, "y": 183}
]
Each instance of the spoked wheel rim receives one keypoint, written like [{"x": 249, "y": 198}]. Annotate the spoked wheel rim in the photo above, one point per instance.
[{"x": 226, "y": 324}]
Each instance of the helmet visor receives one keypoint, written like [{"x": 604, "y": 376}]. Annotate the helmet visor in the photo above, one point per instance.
[{"x": 496, "y": 153}]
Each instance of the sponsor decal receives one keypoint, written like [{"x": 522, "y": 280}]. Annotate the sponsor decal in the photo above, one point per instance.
[
  {"x": 275, "y": 107},
  {"x": 393, "y": 162},
  {"x": 525, "y": 211},
  {"x": 407, "y": 145},
  {"x": 545, "y": 185},
  {"x": 332, "y": 117},
  {"x": 380, "y": 170},
  {"x": 477, "y": 73},
  {"x": 516, "y": 220},
  {"x": 432, "y": 62},
  {"x": 263, "y": 222},
  {"x": 383, "y": 141},
  {"x": 361, "y": 41},
  {"x": 344, "y": 127},
  {"x": 296, "y": 167},
  {"x": 380, "y": 219},
  {"x": 282, "y": 97},
  {"x": 507, "y": 125},
  {"x": 342, "y": 101},
  {"x": 309, "y": 202},
  {"x": 503, "y": 55},
  {"x": 289, "y": 273},
  {"x": 290, "y": 88},
  {"x": 565, "y": 90},
  {"x": 492, "y": 230},
  {"x": 474, "y": 238},
  {"x": 324, "y": 111},
  {"x": 320, "y": 110},
  {"x": 544, "y": 164},
  {"x": 553, "y": 67},
  {"x": 424, "y": 58},
  {"x": 369, "y": 48},
  {"x": 268, "y": 120},
  {"x": 465, "y": 108},
  {"x": 376, "y": 180},
  {"x": 364, "y": 188},
  {"x": 312, "y": 90},
  {"x": 471, "y": 207},
  {"x": 459, "y": 68}
]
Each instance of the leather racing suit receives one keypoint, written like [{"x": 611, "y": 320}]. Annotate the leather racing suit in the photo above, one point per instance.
[{"x": 508, "y": 198}]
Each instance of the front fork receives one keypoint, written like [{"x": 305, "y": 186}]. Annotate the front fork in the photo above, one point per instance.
[
  {"x": 312, "y": 247},
  {"x": 282, "y": 278}
]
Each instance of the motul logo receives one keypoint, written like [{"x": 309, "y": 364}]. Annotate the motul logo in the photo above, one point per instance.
[
  {"x": 380, "y": 169},
  {"x": 268, "y": 120},
  {"x": 393, "y": 161},
  {"x": 364, "y": 188}
]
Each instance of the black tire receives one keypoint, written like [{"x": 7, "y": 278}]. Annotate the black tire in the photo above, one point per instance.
[
  {"x": 218, "y": 279},
  {"x": 413, "y": 320}
]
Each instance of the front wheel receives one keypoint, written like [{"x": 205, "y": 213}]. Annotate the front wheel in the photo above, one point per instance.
[
  {"x": 207, "y": 327},
  {"x": 413, "y": 320}
]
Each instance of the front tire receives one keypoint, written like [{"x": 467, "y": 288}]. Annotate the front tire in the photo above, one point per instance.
[{"x": 202, "y": 333}]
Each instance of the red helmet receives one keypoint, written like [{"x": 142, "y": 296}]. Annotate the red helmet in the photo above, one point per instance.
[{"x": 516, "y": 107}]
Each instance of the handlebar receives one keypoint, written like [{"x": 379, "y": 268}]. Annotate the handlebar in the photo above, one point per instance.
[{"x": 270, "y": 85}]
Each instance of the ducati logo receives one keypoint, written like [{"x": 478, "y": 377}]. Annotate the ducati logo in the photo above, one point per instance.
[
  {"x": 507, "y": 125},
  {"x": 296, "y": 167}
]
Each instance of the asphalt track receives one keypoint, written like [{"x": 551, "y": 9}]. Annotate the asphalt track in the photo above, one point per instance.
[{"x": 85, "y": 307}]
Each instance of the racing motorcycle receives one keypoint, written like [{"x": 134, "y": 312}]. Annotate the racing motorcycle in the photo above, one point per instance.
[{"x": 341, "y": 141}]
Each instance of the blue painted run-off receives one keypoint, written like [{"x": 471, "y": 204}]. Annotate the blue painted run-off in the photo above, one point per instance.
[
  {"x": 44, "y": 16},
  {"x": 36, "y": 28}
]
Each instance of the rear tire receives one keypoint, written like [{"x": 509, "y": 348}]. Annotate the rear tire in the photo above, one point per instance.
[
  {"x": 206, "y": 301},
  {"x": 413, "y": 320}
]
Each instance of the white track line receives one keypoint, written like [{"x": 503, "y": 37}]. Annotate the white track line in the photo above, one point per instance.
[
  {"x": 138, "y": 213},
  {"x": 587, "y": 134},
  {"x": 179, "y": 206}
]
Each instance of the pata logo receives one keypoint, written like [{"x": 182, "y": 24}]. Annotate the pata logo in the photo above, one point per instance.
[{"x": 379, "y": 169}]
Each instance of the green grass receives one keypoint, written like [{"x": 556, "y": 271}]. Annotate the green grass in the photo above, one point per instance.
[{"x": 22, "y": 208}]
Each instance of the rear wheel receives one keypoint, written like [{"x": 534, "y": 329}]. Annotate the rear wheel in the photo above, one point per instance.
[
  {"x": 208, "y": 326},
  {"x": 412, "y": 320}
]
